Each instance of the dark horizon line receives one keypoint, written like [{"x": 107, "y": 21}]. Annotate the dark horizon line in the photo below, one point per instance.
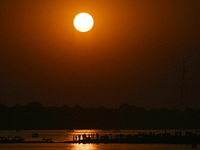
[{"x": 123, "y": 105}]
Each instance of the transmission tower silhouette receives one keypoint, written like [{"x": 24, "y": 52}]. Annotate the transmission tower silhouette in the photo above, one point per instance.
[{"x": 184, "y": 92}]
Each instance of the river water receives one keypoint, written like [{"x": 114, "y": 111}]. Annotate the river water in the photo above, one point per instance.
[{"x": 67, "y": 135}]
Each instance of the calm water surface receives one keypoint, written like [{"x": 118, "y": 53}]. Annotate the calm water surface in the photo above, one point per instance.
[
  {"x": 63, "y": 146},
  {"x": 67, "y": 135}
]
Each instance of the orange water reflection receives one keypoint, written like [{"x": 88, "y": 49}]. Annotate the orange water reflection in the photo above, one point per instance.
[{"x": 85, "y": 146}]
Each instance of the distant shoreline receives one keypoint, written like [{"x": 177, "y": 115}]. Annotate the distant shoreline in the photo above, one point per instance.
[{"x": 178, "y": 137}]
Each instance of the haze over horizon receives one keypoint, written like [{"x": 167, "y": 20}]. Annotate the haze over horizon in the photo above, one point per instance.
[{"x": 134, "y": 53}]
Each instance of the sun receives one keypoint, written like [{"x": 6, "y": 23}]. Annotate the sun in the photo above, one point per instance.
[{"x": 83, "y": 22}]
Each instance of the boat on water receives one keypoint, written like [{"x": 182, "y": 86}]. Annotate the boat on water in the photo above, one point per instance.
[
  {"x": 70, "y": 130},
  {"x": 3, "y": 139},
  {"x": 35, "y": 135},
  {"x": 143, "y": 137},
  {"x": 17, "y": 139},
  {"x": 47, "y": 140}
]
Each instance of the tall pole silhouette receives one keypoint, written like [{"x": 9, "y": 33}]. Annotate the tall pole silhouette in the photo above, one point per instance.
[{"x": 184, "y": 94}]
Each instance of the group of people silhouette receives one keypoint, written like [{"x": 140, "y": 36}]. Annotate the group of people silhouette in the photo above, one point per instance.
[{"x": 85, "y": 137}]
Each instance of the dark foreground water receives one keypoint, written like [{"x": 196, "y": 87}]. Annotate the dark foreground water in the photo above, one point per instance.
[
  {"x": 67, "y": 135},
  {"x": 63, "y": 146}
]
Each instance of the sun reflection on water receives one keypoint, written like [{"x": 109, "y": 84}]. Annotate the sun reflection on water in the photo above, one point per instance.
[{"x": 85, "y": 147}]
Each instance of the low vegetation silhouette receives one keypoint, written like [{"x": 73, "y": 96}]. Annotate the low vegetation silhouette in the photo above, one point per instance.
[{"x": 36, "y": 116}]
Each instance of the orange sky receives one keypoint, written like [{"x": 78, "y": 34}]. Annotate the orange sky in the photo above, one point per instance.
[{"x": 132, "y": 55}]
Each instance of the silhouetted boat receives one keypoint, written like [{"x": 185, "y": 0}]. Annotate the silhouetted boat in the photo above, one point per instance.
[
  {"x": 144, "y": 137},
  {"x": 35, "y": 135},
  {"x": 70, "y": 130},
  {"x": 48, "y": 140},
  {"x": 4, "y": 140},
  {"x": 17, "y": 139}
]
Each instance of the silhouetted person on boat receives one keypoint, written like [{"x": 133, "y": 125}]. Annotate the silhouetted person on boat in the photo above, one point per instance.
[
  {"x": 79, "y": 137},
  {"x": 88, "y": 138},
  {"x": 92, "y": 136},
  {"x": 84, "y": 137},
  {"x": 97, "y": 136}
]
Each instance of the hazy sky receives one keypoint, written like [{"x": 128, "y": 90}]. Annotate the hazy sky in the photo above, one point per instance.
[{"x": 133, "y": 54}]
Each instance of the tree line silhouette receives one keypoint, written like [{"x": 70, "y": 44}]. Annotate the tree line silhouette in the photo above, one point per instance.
[{"x": 36, "y": 116}]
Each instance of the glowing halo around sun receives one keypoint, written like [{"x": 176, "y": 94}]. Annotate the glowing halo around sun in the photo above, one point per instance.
[{"x": 83, "y": 22}]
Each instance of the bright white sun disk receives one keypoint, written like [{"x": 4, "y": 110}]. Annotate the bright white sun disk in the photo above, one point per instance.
[{"x": 83, "y": 22}]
